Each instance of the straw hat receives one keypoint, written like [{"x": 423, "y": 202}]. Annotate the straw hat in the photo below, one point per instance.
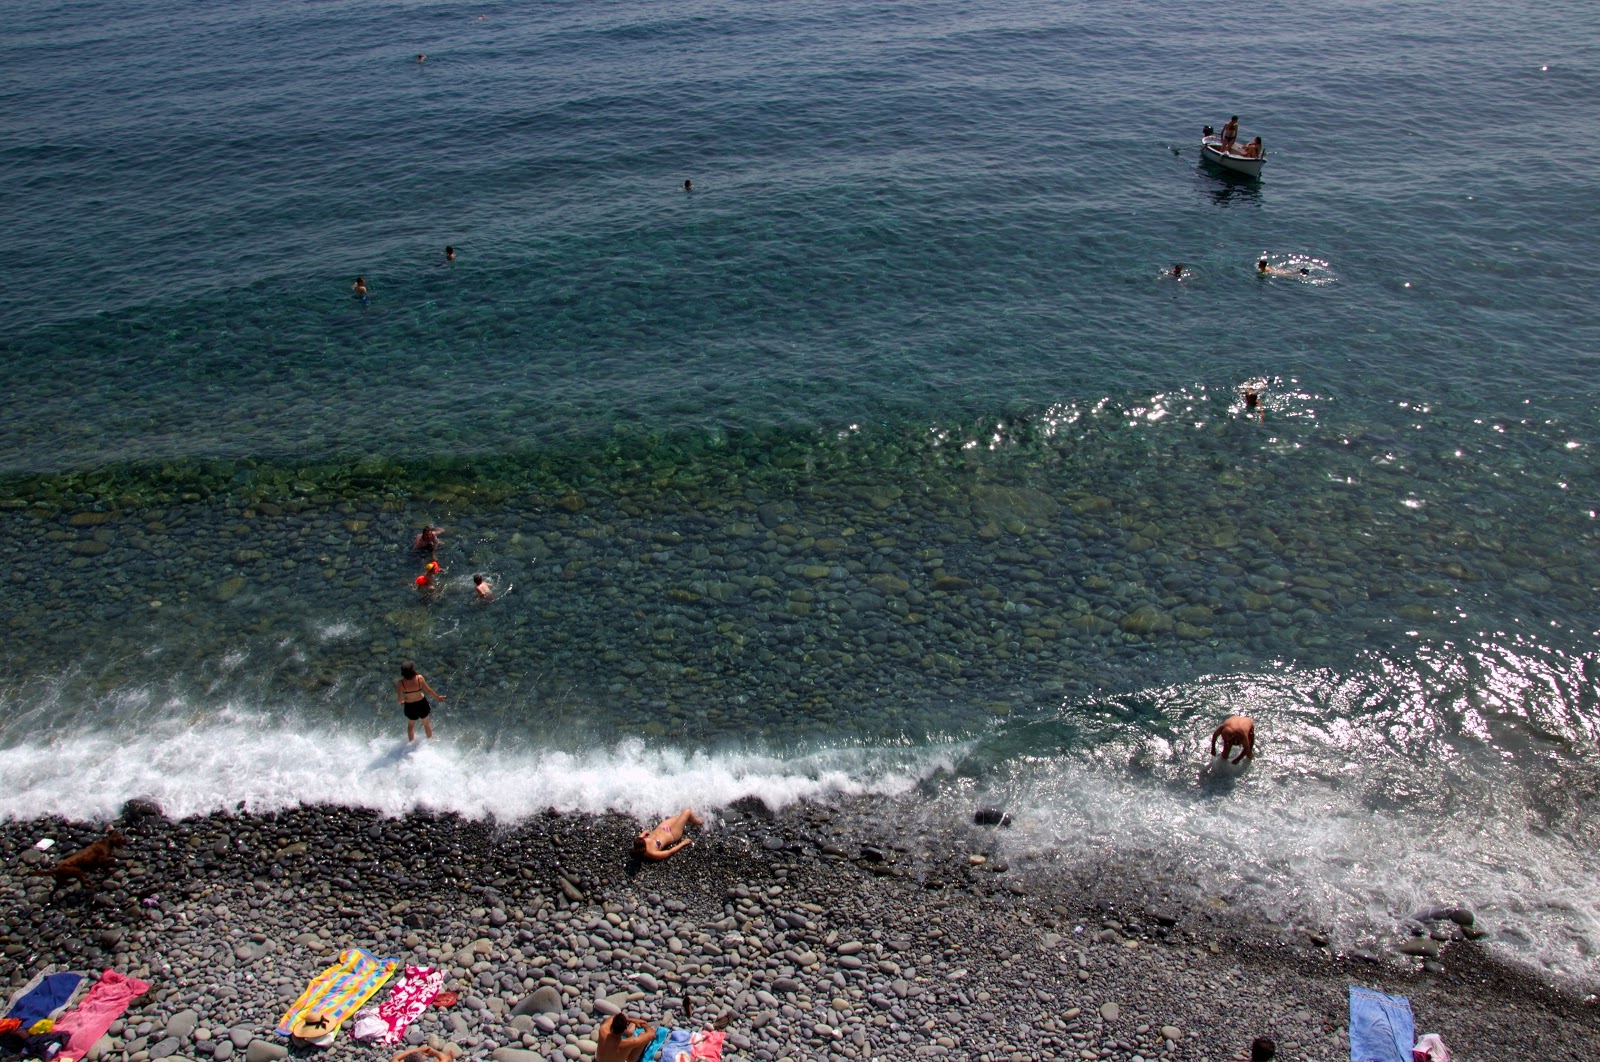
[{"x": 314, "y": 1027}]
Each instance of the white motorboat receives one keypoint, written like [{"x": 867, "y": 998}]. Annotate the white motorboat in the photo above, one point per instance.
[{"x": 1232, "y": 159}]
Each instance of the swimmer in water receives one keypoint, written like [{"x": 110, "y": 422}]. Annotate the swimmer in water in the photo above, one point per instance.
[
  {"x": 1177, "y": 271},
  {"x": 449, "y": 254},
  {"x": 421, "y": 58},
  {"x": 427, "y": 540},
  {"x": 688, "y": 186},
  {"x": 1252, "y": 403},
  {"x": 485, "y": 591},
  {"x": 360, "y": 287},
  {"x": 427, "y": 583}
]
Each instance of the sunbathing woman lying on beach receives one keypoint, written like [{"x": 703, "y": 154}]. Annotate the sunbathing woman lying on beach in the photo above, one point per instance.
[{"x": 667, "y": 838}]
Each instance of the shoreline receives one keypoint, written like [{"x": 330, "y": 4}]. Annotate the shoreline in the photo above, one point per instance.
[{"x": 822, "y": 930}]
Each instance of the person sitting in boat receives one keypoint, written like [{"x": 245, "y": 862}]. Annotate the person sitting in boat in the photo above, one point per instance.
[
  {"x": 1230, "y": 133},
  {"x": 1252, "y": 150}
]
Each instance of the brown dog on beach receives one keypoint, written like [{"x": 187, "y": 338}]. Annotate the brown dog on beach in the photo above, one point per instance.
[{"x": 101, "y": 855}]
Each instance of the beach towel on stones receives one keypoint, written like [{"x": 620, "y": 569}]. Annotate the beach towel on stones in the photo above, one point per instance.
[
  {"x": 46, "y": 996},
  {"x": 339, "y": 991},
  {"x": 1381, "y": 1027},
  {"x": 675, "y": 1048},
  {"x": 706, "y": 1045},
  {"x": 652, "y": 1052},
  {"x": 104, "y": 1004},
  {"x": 417, "y": 987}
]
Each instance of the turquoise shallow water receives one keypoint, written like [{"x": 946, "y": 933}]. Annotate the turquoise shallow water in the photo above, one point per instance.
[{"x": 888, "y": 458}]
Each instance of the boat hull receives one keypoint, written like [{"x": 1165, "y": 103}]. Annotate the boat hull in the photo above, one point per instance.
[{"x": 1211, "y": 151}]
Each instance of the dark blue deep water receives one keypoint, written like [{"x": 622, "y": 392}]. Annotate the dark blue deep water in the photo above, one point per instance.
[{"x": 890, "y": 458}]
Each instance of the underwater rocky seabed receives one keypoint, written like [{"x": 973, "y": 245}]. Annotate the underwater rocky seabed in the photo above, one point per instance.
[
  {"x": 1037, "y": 590},
  {"x": 711, "y": 588}
]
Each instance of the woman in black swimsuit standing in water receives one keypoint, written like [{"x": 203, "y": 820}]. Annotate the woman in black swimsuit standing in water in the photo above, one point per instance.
[{"x": 414, "y": 691}]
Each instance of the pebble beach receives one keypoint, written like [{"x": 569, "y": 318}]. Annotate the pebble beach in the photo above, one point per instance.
[
  {"x": 814, "y": 933},
  {"x": 879, "y": 435}
]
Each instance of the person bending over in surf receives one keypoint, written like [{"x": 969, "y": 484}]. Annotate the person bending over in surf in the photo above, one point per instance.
[
  {"x": 1236, "y": 730},
  {"x": 667, "y": 838}
]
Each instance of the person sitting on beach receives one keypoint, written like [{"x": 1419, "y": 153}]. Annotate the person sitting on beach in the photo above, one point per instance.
[
  {"x": 667, "y": 838},
  {"x": 1236, "y": 731},
  {"x": 360, "y": 287},
  {"x": 414, "y": 691},
  {"x": 622, "y": 1039},
  {"x": 485, "y": 591},
  {"x": 427, "y": 540},
  {"x": 1252, "y": 150},
  {"x": 1230, "y": 133}
]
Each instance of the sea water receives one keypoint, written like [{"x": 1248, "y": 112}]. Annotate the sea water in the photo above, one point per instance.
[{"x": 889, "y": 459}]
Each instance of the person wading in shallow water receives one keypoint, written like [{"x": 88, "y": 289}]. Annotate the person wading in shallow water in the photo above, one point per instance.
[
  {"x": 1236, "y": 731},
  {"x": 414, "y": 691}
]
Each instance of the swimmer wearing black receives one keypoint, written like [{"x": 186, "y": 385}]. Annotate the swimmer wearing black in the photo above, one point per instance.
[{"x": 413, "y": 691}]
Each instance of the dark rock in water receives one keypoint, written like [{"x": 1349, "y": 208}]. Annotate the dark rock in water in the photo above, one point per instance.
[
  {"x": 872, "y": 855},
  {"x": 1420, "y": 946},
  {"x": 991, "y": 817},
  {"x": 1163, "y": 916},
  {"x": 1363, "y": 955},
  {"x": 752, "y": 808},
  {"x": 142, "y": 808},
  {"x": 1459, "y": 915}
]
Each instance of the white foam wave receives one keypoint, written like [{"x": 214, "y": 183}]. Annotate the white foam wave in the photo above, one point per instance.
[
  {"x": 1309, "y": 850},
  {"x": 235, "y": 756}
]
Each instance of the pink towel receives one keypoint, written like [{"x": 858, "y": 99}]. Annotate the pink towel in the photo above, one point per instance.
[
  {"x": 706, "y": 1046},
  {"x": 103, "y": 1005},
  {"x": 408, "y": 999}
]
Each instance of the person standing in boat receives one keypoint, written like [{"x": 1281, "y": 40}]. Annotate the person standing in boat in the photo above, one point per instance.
[{"x": 1230, "y": 133}]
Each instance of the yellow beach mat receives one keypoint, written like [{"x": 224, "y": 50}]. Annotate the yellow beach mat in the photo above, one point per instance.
[{"x": 338, "y": 992}]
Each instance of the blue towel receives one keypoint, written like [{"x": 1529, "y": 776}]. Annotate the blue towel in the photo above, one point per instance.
[
  {"x": 47, "y": 999},
  {"x": 1381, "y": 1027},
  {"x": 652, "y": 1053},
  {"x": 676, "y": 1048}
]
